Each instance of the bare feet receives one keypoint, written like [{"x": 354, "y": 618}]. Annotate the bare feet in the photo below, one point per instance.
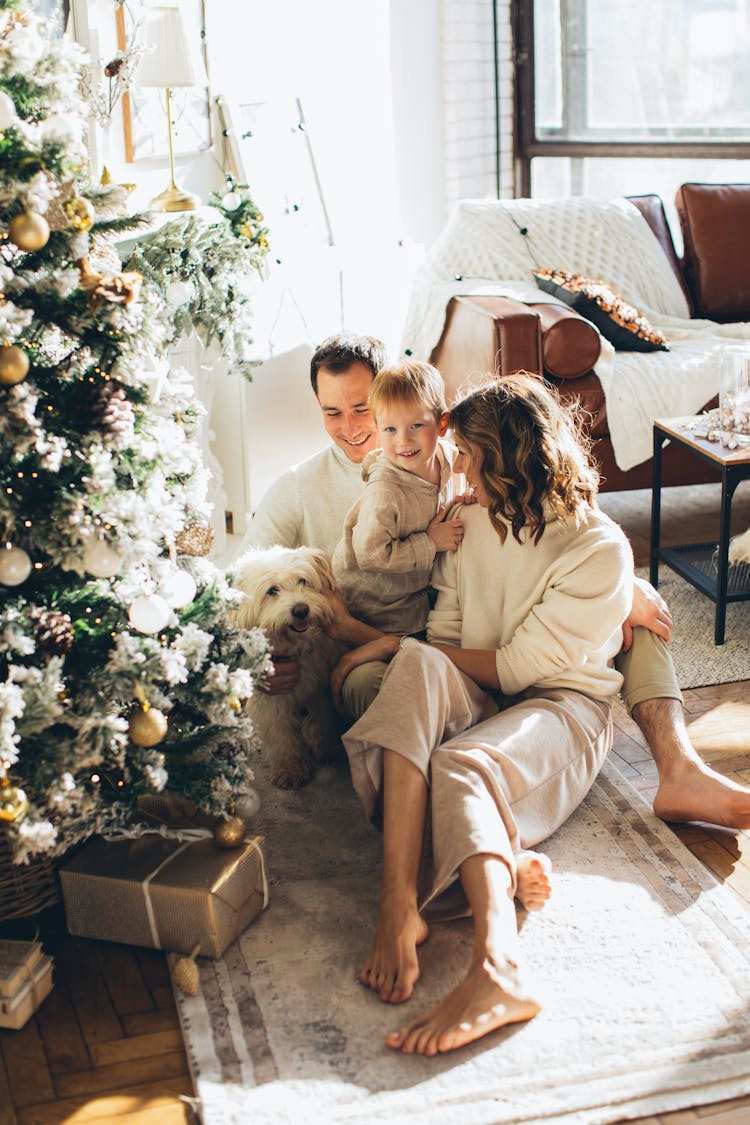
[
  {"x": 392, "y": 967},
  {"x": 691, "y": 790},
  {"x": 533, "y": 886},
  {"x": 688, "y": 788},
  {"x": 490, "y": 997}
]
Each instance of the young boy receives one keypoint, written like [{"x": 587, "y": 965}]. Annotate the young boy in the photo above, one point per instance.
[{"x": 393, "y": 532}]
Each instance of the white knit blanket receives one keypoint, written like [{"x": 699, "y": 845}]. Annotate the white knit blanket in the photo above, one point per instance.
[{"x": 482, "y": 250}]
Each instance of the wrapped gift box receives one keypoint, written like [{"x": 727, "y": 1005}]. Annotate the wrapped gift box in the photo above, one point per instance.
[
  {"x": 36, "y": 983},
  {"x": 17, "y": 958},
  {"x": 166, "y": 892}
]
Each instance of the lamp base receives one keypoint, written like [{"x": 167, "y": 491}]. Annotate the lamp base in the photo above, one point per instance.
[{"x": 174, "y": 199}]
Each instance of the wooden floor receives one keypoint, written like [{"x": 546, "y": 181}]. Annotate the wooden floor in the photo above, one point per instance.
[{"x": 106, "y": 1046}]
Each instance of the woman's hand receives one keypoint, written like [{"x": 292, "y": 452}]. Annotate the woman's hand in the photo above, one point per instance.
[
  {"x": 649, "y": 610},
  {"x": 383, "y": 648}
]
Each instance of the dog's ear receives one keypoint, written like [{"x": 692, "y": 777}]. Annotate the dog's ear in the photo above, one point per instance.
[{"x": 322, "y": 565}]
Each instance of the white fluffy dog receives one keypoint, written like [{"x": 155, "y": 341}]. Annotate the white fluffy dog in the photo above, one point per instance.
[{"x": 284, "y": 589}]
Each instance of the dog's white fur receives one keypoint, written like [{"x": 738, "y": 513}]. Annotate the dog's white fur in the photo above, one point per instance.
[
  {"x": 284, "y": 597},
  {"x": 739, "y": 548}
]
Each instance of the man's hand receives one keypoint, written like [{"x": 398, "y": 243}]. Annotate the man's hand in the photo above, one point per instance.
[
  {"x": 649, "y": 610},
  {"x": 383, "y": 648},
  {"x": 445, "y": 534},
  {"x": 284, "y": 677}
]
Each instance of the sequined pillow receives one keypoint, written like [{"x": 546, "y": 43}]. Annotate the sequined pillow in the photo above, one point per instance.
[{"x": 625, "y": 328}]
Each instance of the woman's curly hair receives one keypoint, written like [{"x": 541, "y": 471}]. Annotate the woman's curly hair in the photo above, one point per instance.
[{"x": 535, "y": 458}]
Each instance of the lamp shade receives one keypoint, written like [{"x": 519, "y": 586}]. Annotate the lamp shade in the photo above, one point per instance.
[{"x": 169, "y": 59}]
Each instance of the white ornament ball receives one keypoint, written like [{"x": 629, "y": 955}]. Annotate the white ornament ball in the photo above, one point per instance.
[
  {"x": 15, "y": 566},
  {"x": 149, "y": 613},
  {"x": 231, "y": 201},
  {"x": 247, "y": 804},
  {"x": 177, "y": 588},
  {"x": 179, "y": 292},
  {"x": 8, "y": 115},
  {"x": 101, "y": 560}
]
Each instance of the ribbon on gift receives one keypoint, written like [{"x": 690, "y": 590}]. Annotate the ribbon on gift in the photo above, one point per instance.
[{"x": 185, "y": 837}]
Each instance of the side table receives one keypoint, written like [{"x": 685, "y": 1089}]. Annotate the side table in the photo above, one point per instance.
[{"x": 704, "y": 565}]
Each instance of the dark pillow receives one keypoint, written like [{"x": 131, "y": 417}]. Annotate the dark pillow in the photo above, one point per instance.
[{"x": 617, "y": 321}]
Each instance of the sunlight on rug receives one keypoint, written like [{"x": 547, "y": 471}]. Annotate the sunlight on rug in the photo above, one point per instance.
[
  {"x": 697, "y": 659},
  {"x": 641, "y": 960}
]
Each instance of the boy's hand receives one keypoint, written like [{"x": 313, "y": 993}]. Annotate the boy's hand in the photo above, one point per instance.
[{"x": 445, "y": 534}]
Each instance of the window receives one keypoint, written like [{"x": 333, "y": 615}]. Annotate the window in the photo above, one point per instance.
[{"x": 628, "y": 96}]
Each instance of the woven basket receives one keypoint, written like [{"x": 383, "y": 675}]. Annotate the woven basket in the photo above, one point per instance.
[{"x": 25, "y": 888}]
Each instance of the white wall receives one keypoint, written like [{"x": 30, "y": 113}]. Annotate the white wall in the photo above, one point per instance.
[{"x": 399, "y": 108}]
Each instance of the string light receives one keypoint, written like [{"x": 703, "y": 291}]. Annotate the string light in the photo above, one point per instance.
[{"x": 95, "y": 779}]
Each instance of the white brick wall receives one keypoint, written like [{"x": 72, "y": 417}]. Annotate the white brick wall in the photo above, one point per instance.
[{"x": 468, "y": 95}]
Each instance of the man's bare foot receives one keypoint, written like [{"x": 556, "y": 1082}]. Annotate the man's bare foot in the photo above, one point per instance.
[
  {"x": 490, "y": 997},
  {"x": 533, "y": 886},
  {"x": 691, "y": 790},
  {"x": 392, "y": 967}
]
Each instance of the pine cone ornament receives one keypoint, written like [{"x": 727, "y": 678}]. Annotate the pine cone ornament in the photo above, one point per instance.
[
  {"x": 109, "y": 409},
  {"x": 54, "y": 631}
]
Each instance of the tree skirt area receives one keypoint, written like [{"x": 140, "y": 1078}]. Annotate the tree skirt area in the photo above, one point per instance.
[
  {"x": 641, "y": 959},
  {"x": 697, "y": 659}
]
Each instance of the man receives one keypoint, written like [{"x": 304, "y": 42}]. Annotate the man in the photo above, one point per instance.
[{"x": 307, "y": 507}]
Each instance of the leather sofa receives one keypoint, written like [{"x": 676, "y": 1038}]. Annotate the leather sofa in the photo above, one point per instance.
[{"x": 484, "y": 333}]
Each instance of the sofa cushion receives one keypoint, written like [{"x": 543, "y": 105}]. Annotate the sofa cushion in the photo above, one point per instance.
[
  {"x": 715, "y": 222},
  {"x": 620, "y": 323},
  {"x": 570, "y": 344}
]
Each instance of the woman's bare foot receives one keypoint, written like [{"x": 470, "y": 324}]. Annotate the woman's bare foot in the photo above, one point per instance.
[
  {"x": 533, "y": 886},
  {"x": 392, "y": 967},
  {"x": 691, "y": 790},
  {"x": 490, "y": 997}
]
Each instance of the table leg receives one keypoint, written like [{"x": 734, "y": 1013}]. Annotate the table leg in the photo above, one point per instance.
[
  {"x": 659, "y": 440},
  {"x": 728, "y": 485}
]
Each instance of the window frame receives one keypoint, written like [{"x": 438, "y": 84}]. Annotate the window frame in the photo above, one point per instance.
[{"x": 528, "y": 144}]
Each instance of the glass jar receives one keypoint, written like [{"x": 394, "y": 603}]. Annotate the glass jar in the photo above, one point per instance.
[{"x": 734, "y": 396}]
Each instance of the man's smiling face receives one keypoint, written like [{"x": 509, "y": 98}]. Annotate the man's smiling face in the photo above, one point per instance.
[{"x": 346, "y": 414}]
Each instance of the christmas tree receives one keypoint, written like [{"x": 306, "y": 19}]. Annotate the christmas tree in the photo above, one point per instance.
[{"x": 121, "y": 672}]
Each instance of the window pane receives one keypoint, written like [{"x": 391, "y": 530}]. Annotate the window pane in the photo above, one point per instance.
[
  {"x": 634, "y": 69},
  {"x": 599, "y": 176}
]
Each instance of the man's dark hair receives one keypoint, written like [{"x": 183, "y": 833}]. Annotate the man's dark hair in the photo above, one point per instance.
[{"x": 338, "y": 353}]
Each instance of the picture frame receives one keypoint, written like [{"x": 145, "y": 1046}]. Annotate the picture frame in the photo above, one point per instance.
[{"x": 144, "y": 110}]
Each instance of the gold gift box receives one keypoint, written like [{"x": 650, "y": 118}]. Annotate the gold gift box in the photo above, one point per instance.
[{"x": 164, "y": 891}]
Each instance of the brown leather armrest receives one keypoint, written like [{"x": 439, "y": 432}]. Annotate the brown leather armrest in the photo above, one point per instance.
[{"x": 486, "y": 335}]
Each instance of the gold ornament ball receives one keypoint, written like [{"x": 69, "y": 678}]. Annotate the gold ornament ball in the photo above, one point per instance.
[
  {"x": 29, "y": 231},
  {"x": 14, "y": 365},
  {"x": 80, "y": 212},
  {"x": 230, "y": 833},
  {"x": 14, "y": 803},
  {"x": 147, "y": 728}
]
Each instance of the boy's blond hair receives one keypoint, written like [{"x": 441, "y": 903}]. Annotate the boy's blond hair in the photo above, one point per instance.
[{"x": 408, "y": 382}]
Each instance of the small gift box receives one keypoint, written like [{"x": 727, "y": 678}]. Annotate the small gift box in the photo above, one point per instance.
[
  {"x": 25, "y": 980},
  {"x": 17, "y": 958},
  {"x": 164, "y": 889}
]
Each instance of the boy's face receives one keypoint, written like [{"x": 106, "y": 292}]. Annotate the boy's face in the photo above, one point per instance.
[{"x": 408, "y": 434}]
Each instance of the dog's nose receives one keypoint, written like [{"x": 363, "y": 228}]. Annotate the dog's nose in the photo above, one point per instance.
[{"x": 300, "y": 611}]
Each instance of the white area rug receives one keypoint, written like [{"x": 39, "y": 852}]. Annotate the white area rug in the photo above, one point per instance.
[
  {"x": 697, "y": 659},
  {"x": 642, "y": 961}
]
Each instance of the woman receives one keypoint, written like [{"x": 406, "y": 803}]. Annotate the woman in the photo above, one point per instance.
[{"x": 483, "y": 741}]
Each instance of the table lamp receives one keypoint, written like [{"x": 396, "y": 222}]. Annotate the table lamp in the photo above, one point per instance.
[{"x": 169, "y": 61}]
